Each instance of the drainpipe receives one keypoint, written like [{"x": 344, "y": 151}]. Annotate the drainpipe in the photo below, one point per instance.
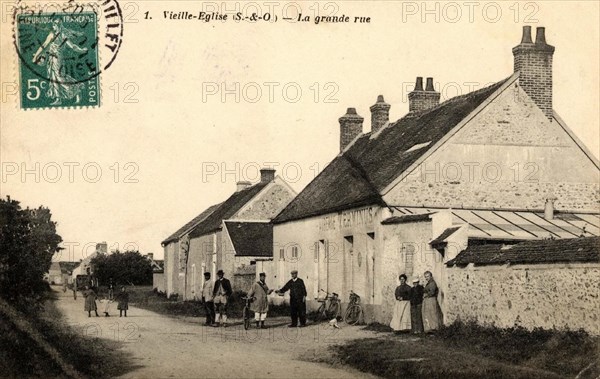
[
  {"x": 327, "y": 260},
  {"x": 373, "y": 276}
]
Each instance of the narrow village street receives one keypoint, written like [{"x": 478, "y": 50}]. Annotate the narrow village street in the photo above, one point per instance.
[{"x": 166, "y": 347}]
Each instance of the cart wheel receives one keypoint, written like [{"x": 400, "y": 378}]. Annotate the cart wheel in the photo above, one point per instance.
[
  {"x": 246, "y": 318},
  {"x": 321, "y": 316},
  {"x": 353, "y": 314},
  {"x": 334, "y": 311}
]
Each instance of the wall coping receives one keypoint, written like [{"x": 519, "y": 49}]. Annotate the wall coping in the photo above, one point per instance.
[{"x": 529, "y": 266}]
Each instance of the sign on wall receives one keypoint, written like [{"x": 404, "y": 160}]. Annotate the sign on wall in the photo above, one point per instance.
[{"x": 348, "y": 219}]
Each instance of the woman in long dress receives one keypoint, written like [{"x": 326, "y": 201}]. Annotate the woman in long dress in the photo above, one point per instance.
[
  {"x": 432, "y": 313},
  {"x": 123, "y": 302},
  {"x": 401, "y": 318},
  {"x": 90, "y": 301}
]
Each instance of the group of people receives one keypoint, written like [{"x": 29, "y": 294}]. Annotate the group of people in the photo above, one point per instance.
[
  {"x": 417, "y": 309},
  {"x": 215, "y": 295},
  {"x": 90, "y": 295}
]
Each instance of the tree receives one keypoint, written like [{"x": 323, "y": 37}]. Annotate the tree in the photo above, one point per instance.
[
  {"x": 28, "y": 240},
  {"x": 125, "y": 268}
]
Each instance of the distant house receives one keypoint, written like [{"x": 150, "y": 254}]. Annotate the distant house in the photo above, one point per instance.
[
  {"x": 157, "y": 273},
  {"x": 66, "y": 269},
  {"x": 55, "y": 274},
  {"x": 85, "y": 266},
  {"x": 227, "y": 236}
]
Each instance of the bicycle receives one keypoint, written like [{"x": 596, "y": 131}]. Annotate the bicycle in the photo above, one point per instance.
[
  {"x": 328, "y": 312},
  {"x": 246, "y": 311},
  {"x": 354, "y": 310}
]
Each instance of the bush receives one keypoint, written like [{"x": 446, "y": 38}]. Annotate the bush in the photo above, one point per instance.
[
  {"x": 128, "y": 268},
  {"x": 28, "y": 240}
]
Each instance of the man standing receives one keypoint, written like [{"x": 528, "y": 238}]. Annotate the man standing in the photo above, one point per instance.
[
  {"x": 221, "y": 293},
  {"x": 260, "y": 306},
  {"x": 416, "y": 305},
  {"x": 111, "y": 289},
  {"x": 74, "y": 288},
  {"x": 297, "y": 299},
  {"x": 207, "y": 299}
]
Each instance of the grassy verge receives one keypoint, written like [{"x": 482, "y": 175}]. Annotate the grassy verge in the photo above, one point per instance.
[
  {"x": 472, "y": 351},
  {"x": 146, "y": 298},
  {"x": 21, "y": 356}
]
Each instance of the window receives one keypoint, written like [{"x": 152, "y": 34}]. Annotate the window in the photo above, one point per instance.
[
  {"x": 295, "y": 252},
  {"x": 349, "y": 244},
  {"x": 281, "y": 254}
]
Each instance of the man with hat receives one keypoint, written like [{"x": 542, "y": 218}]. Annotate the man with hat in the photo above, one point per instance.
[
  {"x": 297, "y": 299},
  {"x": 207, "y": 299},
  {"x": 416, "y": 304},
  {"x": 221, "y": 292},
  {"x": 260, "y": 305}
]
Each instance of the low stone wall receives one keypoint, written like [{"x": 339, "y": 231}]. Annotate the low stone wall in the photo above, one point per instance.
[
  {"x": 243, "y": 280},
  {"x": 560, "y": 296}
]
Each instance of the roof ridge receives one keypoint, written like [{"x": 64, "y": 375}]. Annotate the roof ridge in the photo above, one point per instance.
[{"x": 453, "y": 99}]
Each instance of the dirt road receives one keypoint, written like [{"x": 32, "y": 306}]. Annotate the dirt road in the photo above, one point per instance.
[{"x": 165, "y": 347}]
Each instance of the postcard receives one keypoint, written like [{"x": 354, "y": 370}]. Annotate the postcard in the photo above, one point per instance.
[{"x": 293, "y": 189}]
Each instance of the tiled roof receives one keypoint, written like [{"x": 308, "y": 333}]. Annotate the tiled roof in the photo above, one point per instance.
[
  {"x": 158, "y": 265},
  {"x": 175, "y": 236},
  {"x": 407, "y": 218},
  {"x": 67, "y": 267},
  {"x": 445, "y": 234},
  {"x": 251, "y": 239},
  {"x": 357, "y": 177},
  {"x": 226, "y": 210},
  {"x": 584, "y": 249}
]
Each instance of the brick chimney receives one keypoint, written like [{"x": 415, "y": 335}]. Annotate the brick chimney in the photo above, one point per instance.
[
  {"x": 549, "y": 208},
  {"x": 380, "y": 114},
  {"x": 242, "y": 186},
  {"x": 350, "y": 127},
  {"x": 534, "y": 63},
  {"x": 267, "y": 175},
  {"x": 419, "y": 100}
]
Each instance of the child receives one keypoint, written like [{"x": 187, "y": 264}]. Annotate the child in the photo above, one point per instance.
[
  {"x": 123, "y": 302},
  {"x": 106, "y": 302}
]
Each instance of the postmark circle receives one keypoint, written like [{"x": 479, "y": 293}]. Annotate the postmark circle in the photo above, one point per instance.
[{"x": 65, "y": 46}]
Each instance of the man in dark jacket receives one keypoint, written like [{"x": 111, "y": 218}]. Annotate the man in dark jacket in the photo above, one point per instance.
[
  {"x": 416, "y": 305},
  {"x": 221, "y": 293},
  {"x": 297, "y": 299}
]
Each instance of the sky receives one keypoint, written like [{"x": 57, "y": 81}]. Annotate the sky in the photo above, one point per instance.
[{"x": 188, "y": 108}]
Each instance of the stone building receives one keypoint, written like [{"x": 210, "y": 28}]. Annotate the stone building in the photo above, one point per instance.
[
  {"x": 494, "y": 166},
  {"x": 230, "y": 236},
  {"x": 550, "y": 283}
]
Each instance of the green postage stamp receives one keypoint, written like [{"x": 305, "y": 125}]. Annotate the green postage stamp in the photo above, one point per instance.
[{"x": 58, "y": 59}]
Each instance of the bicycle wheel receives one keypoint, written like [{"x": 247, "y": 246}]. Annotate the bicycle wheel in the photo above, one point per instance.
[
  {"x": 321, "y": 313},
  {"x": 333, "y": 311},
  {"x": 353, "y": 314},
  {"x": 246, "y": 313}
]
